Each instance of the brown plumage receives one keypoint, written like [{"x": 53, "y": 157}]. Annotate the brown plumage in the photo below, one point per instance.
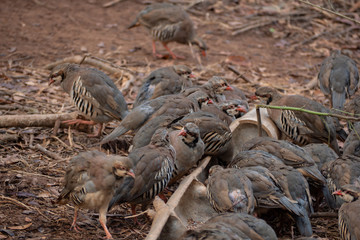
[
  {"x": 173, "y": 106},
  {"x": 321, "y": 153},
  {"x": 342, "y": 171},
  {"x": 232, "y": 226},
  {"x": 168, "y": 23},
  {"x": 301, "y": 127},
  {"x": 290, "y": 181},
  {"x": 93, "y": 93},
  {"x": 291, "y": 155},
  {"x": 154, "y": 168},
  {"x": 352, "y": 142},
  {"x": 349, "y": 212},
  {"x": 338, "y": 78},
  {"x": 164, "y": 81},
  {"x": 267, "y": 191},
  {"x": 230, "y": 190},
  {"x": 189, "y": 149},
  {"x": 90, "y": 182},
  {"x": 215, "y": 134},
  {"x": 214, "y": 88}
]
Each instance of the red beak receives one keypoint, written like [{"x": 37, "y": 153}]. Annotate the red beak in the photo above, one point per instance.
[
  {"x": 210, "y": 101},
  {"x": 131, "y": 173},
  {"x": 241, "y": 109},
  {"x": 338, "y": 192},
  {"x": 182, "y": 133},
  {"x": 254, "y": 97},
  {"x": 51, "y": 81},
  {"x": 228, "y": 88},
  {"x": 203, "y": 53}
]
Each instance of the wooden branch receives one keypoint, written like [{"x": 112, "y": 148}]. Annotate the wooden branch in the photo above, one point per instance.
[
  {"x": 4, "y": 138},
  {"x": 35, "y": 120},
  {"x": 232, "y": 68},
  {"x": 93, "y": 61},
  {"x": 257, "y": 24},
  {"x": 111, "y": 3},
  {"x": 312, "y": 84},
  {"x": 164, "y": 213},
  {"x": 319, "y": 8},
  {"x": 46, "y": 152},
  {"x": 258, "y": 116},
  {"x": 309, "y": 111}
]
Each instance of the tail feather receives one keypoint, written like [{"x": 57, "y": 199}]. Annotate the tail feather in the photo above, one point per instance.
[
  {"x": 120, "y": 130},
  {"x": 314, "y": 174},
  {"x": 122, "y": 192},
  {"x": 303, "y": 221},
  {"x": 290, "y": 206},
  {"x": 135, "y": 23},
  {"x": 329, "y": 199},
  {"x": 338, "y": 100},
  {"x": 304, "y": 225}
]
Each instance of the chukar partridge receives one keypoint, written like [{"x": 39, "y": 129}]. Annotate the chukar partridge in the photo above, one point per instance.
[
  {"x": 164, "y": 81},
  {"x": 338, "y": 78},
  {"x": 301, "y": 127},
  {"x": 94, "y": 94},
  {"x": 230, "y": 190},
  {"x": 153, "y": 171},
  {"x": 349, "y": 212},
  {"x": 168, "y": 23},
  {"x": 90, "y": 182}
]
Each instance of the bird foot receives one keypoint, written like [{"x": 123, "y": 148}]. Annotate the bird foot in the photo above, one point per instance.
[{"x": 75, "y": 227}]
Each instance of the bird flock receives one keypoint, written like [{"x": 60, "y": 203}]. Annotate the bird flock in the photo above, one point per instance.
[{"x": 176, "y": 122}]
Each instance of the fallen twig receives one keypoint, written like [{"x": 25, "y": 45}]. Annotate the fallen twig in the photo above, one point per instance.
[
  {"x": 16, "y": 202},
  {"x": 312, "y": 84},
  {"x": 46, "y": 152},
  {"x": 111, "y": 3},
  {"x": 248, "y": 27},
  {"x": 8, "y": 138},
  {"x": 35, "y": 120},
  {"x": 164, "y": 213},
  {"x": 94, "y": 61},
  {"x": 319, "y": 8},
  {"x": 240, "y": 75}
]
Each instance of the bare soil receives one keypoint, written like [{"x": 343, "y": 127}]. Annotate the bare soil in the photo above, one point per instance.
[{"x": 283, "y": 47}]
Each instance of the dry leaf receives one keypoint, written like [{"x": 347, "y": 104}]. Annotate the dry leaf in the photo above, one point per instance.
[
  {"x": 44, "y": 194},
  {"x": 21, "y": 227}
]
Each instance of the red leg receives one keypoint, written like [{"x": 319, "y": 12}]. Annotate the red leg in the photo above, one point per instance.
[
  {"x": 76, "y": 122},
  {"x": 102, "y": 220},
  {"x": 156, "y": 55},
  {"x": 171, "y": 53},
  {"x": 133, "y": 212},
  {"x": 73, "y": 225}
]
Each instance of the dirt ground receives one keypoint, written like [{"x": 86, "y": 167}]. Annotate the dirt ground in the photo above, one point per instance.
[{"x": 273, "y": 42}]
